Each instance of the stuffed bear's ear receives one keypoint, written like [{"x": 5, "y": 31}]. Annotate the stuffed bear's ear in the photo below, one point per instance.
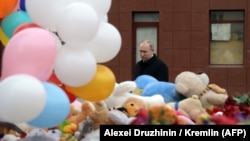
[
  {"x": 204, "y": 77},
  {"x": 180, "y": 88}
]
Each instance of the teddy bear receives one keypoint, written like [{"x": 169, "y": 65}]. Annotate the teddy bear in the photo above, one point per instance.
[
  {"x": 190, "y": 107},
  {"x": 92, "y": 110},
  {"x": 149, "y": 86},
  {"x": 123, "y": 91},
  {"x": 127, "y": 112},
  {"x": 98, "y": 114},
  {"x": 189, "y": 83}
]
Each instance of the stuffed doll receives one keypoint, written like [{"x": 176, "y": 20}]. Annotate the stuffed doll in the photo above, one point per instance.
[
  {"x": 149, "y": 86},
  {"x": 42, "y": 135},
  {"x": 189, "y": 83},
  {"x": 122, "y": 92},
  {"x": 132, "y": 105},
  {"x": 190, "y": 107}
]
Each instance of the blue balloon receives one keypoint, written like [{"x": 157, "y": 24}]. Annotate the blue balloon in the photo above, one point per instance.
[
  {"x": 56, "y": 109},
  {"x": 22, "y": 5},
  {"x": 12, "y": 21}
]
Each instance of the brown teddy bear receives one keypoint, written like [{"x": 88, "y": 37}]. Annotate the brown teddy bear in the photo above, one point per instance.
[
  {"x": 190, "y": 107},
  {"x": 189, "y": 83},
  {"x": 95, "y": 111}
]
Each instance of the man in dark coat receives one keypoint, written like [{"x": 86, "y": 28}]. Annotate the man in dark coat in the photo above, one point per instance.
[{"x": 150, "y": 64}]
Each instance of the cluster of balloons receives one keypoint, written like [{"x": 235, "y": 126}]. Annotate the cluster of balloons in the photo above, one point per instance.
[{"x": 40, "y": 75}]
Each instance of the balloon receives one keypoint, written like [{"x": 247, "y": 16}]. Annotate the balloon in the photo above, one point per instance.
[
  {"x": 105, "y": 19},
  {"x": 45, "y": 12},
  {"x": 3, "y": 37},
  {"x": 12, "y": 21},
  {"x": 32, "y": 51},
  {"x": 74, "y": 66},
  {"x": 101, "y": 7},
  {"x": 99, "y": 88},
  {"x": 70, "y": 95},
  {"x": 77, "y": 23},
  {"x": 22, "y": 5},
  {"x": 59, "y": 42},
  {"x": 22, "y": 98},
  {"x": 53, "y": 79},
  {"x": 16, "y": 7},
  {"x": 25, "y": 26},
  {"x": 6, "y": 7},
  {"x": 56, "y": 109},
  {"x": 106, "y": 44}
]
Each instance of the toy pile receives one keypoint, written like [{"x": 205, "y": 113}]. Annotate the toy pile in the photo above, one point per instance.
[{"x": 191, "y": 101}]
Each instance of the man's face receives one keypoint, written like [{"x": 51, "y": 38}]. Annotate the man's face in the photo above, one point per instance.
[{"x": 146, "y": 52}]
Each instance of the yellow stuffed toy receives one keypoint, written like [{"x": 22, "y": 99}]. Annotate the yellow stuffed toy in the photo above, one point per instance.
[{"x": 132, "y": 105}]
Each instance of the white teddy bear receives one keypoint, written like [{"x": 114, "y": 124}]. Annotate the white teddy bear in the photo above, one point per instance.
[{"x": 122, "y": 92}]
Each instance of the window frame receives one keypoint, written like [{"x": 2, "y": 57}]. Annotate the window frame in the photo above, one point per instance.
[{"x": 221, "y": 22}]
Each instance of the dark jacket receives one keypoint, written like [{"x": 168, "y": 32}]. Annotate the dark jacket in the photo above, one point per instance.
[{"x": 154, "y": 67}]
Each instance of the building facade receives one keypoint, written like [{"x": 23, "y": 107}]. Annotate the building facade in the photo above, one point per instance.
[{"x": 187, "y": 38}]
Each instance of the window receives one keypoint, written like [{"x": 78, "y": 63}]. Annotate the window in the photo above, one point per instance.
[
  {"x": 145, "y": 26},
  {"x": 227, "y": 37}
]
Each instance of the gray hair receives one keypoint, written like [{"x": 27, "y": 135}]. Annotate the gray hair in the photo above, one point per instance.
[{"x": 150, "y": 43}]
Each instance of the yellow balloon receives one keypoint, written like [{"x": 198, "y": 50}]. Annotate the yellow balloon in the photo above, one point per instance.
[
  {"x": 4, "y": 39},
  {"x": 99, "y": 88}
]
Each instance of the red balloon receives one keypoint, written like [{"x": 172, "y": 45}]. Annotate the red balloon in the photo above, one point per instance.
[
  {"x": 54, "y": 79},
  {"x": 71, "y": 96},
  {"x": 25, "y": 26}
]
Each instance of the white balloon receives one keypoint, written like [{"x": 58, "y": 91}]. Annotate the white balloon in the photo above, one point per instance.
[
  {"x": 22, "y": 98},
  {"x": 58, "y": 40},
  {"x": 77, "y": 23},
  {"x": 106, "y": 44},
  {"x": 101, "y": 7},
  {"x": 75, "y": 66},
  {"x": 44, "y": 12},
  {"x": 105, "y": 19}
]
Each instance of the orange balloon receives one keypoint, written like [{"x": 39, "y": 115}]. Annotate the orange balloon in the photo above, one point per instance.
[
  {"x": 25, "y": 26},
  {"x": 6, "y": 7},
  {"x": 99, "y": 88}
]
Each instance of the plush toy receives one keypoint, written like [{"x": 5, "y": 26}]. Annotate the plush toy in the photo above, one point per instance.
[
  {"x": 95, "y": 111},
  {"x": 122, "y": 92},
  {"x": 42, "y": 135},
  {"x": 7, "y": 128},
  {"x": 92, "y": 136},
  {"x": 132, "y": 105},
  {"x": 189, "y": 83},
  {"x": 190, "y": 107},
  {"x": 149, "y": 86},
  {"x": 142, "y": 81},
  {"x": 157, "y": 115},
  {"x": 9, "y": 137},
  {"x": 98, "y": 114},
  {"x": 86, "y": 108}
]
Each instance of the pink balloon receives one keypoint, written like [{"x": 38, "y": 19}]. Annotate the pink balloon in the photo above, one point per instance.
[{"x": 31, "y": 51}]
